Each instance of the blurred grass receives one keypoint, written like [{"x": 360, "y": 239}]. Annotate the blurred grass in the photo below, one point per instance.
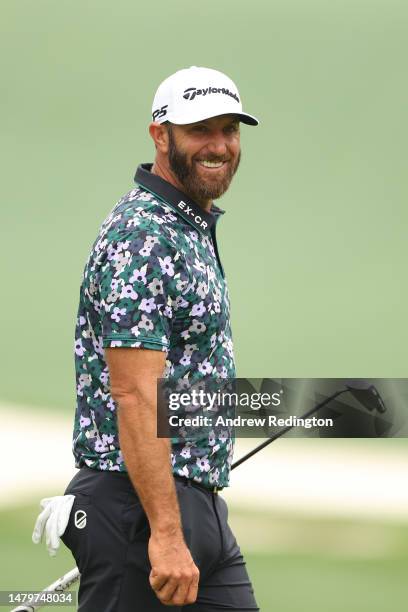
[
  {"x": 296, "y": 564},
  {"x": 314, "y": 240}
]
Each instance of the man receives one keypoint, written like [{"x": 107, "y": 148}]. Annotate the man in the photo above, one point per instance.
[{"x": 147, "y": 528}]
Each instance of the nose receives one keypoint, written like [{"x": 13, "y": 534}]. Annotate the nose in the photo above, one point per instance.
[{"x": 217, "y": 144}]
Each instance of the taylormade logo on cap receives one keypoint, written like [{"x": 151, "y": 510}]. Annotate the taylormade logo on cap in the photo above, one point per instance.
[
  {"x": 192, "y": 92},
  {"x": 212, "y": 92}
]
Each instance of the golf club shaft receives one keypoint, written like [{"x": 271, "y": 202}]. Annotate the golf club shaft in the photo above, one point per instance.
[
  {"x": 59, "y": 586},
  {"x": 285, "y": 430}
]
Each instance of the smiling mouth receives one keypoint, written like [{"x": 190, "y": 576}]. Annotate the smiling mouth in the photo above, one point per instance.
[{"x": 211, "y": 164}]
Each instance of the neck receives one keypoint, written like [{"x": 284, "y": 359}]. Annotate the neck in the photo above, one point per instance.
[{"x": 165, "y": 173}]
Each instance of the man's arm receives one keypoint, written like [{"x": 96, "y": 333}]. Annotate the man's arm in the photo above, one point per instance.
[{"x": 133, "y": 381}]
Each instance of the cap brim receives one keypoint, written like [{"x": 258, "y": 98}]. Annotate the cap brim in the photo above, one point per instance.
[
  {"x": 248, "y": 119},
  {"x": 243, "y": 117}
]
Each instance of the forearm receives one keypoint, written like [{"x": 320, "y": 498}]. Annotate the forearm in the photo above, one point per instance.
[{"x": 147, "y": 459}]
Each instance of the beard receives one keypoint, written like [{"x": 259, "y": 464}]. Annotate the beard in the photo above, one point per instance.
[{"x": 195, "y": 185}]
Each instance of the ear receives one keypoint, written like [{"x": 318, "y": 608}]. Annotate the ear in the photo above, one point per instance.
[{"x": 159, "y": 134}]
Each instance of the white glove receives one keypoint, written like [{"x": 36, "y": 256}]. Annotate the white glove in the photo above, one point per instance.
[{"x": 53, "y": 520}]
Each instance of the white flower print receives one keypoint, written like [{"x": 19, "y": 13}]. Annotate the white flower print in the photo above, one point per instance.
[
  {"x": 167, "y": 312},
  {"x": 224, "y": 372},
  {"x": 205, "y": 367},
  {"x": 203, "y": 463},
  {"x": 84, "y": 380},
  {"x": 121, "y": 261},
  {"x": 113, "y": 296},
  {"x": 190, "y": 348},
  {"x": 223, "y": 436},
  {"x": 145, "y": 323},
  {"x": 111, "y": 405},
  {"x": 181, "y": 284},
  {"x": 122, "y": 246},
  {"x": 104, "y": 377},
  {"x": 146, "y": 250},
  {"x": 139, "y": 276},
  {"x": 198, "y": 310},
  {"x": 84, "y": 421},
  {"x": 107, "y": 439},
  {"x": 185, "y": 452},
  {"x": 134, "y": 222},
  {"x": 183, "y": 471},
  {"x": 145, "y": 196},
  {"x": 166, "y": 265},
  {"x": 217, "y": 294},
  {"x": 228, "y": 345},
  {"x": 147, "y": 305},
  {"x": 197, "y": 327},
  {"x": 156, "y": 286},
  {"x": 180, "y": 302},
  {"x": 128, "y": 292},
  {"x": 100, "y": 447},
  {"x": 202, "y": 289},
  {"x": 199, "y": 265},
  {"x": 132, "y": 195},
  {"x": 158, "y": 220},
  {"x": 118, "y": 313},
  {"x": 185, "y": 360},
  {"x": 79, "y": 349},
  {"x": 214, "y": 476},
  {"x": 112, "y": 251},
  {"x": 152, "y": 240},
  {"x": 98, "y": 345}
]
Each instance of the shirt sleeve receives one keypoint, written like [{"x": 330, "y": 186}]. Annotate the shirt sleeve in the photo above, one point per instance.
[{"x": 141, "y": 284}]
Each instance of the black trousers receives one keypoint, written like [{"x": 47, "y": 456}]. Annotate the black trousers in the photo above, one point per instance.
[{"x": 108, "y": 534}]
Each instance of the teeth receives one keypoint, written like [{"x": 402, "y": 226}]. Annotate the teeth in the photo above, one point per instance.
[{"x": 209, "y": 164}]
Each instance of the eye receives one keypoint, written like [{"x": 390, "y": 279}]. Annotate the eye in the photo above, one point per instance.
[
  {"x": 199, "y": 129},
  {"x": 233, "y": 128}
]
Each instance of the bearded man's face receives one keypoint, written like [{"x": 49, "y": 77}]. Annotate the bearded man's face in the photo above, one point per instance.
[{"x": 204, "y": 156}]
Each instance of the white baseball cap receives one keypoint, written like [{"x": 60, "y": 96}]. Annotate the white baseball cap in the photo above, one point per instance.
[{"x": 196, "y": 93}]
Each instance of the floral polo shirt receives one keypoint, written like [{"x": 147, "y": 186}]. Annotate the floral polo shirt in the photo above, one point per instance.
[{"x": 153, "y": 280}]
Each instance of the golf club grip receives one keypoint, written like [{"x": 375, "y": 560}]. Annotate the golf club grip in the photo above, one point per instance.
[{"x": 59, "y": 586}]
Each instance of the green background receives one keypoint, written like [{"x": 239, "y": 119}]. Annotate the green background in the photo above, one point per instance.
[{"x": 313, "y": 242}]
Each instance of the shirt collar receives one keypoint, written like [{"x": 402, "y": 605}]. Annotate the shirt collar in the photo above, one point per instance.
[{"x": 179, "y": 201}]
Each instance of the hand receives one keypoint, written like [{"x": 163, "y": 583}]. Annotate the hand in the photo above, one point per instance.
[
  {"x": 174, "y": 576},
  {"x": 53, "y": 520}
]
